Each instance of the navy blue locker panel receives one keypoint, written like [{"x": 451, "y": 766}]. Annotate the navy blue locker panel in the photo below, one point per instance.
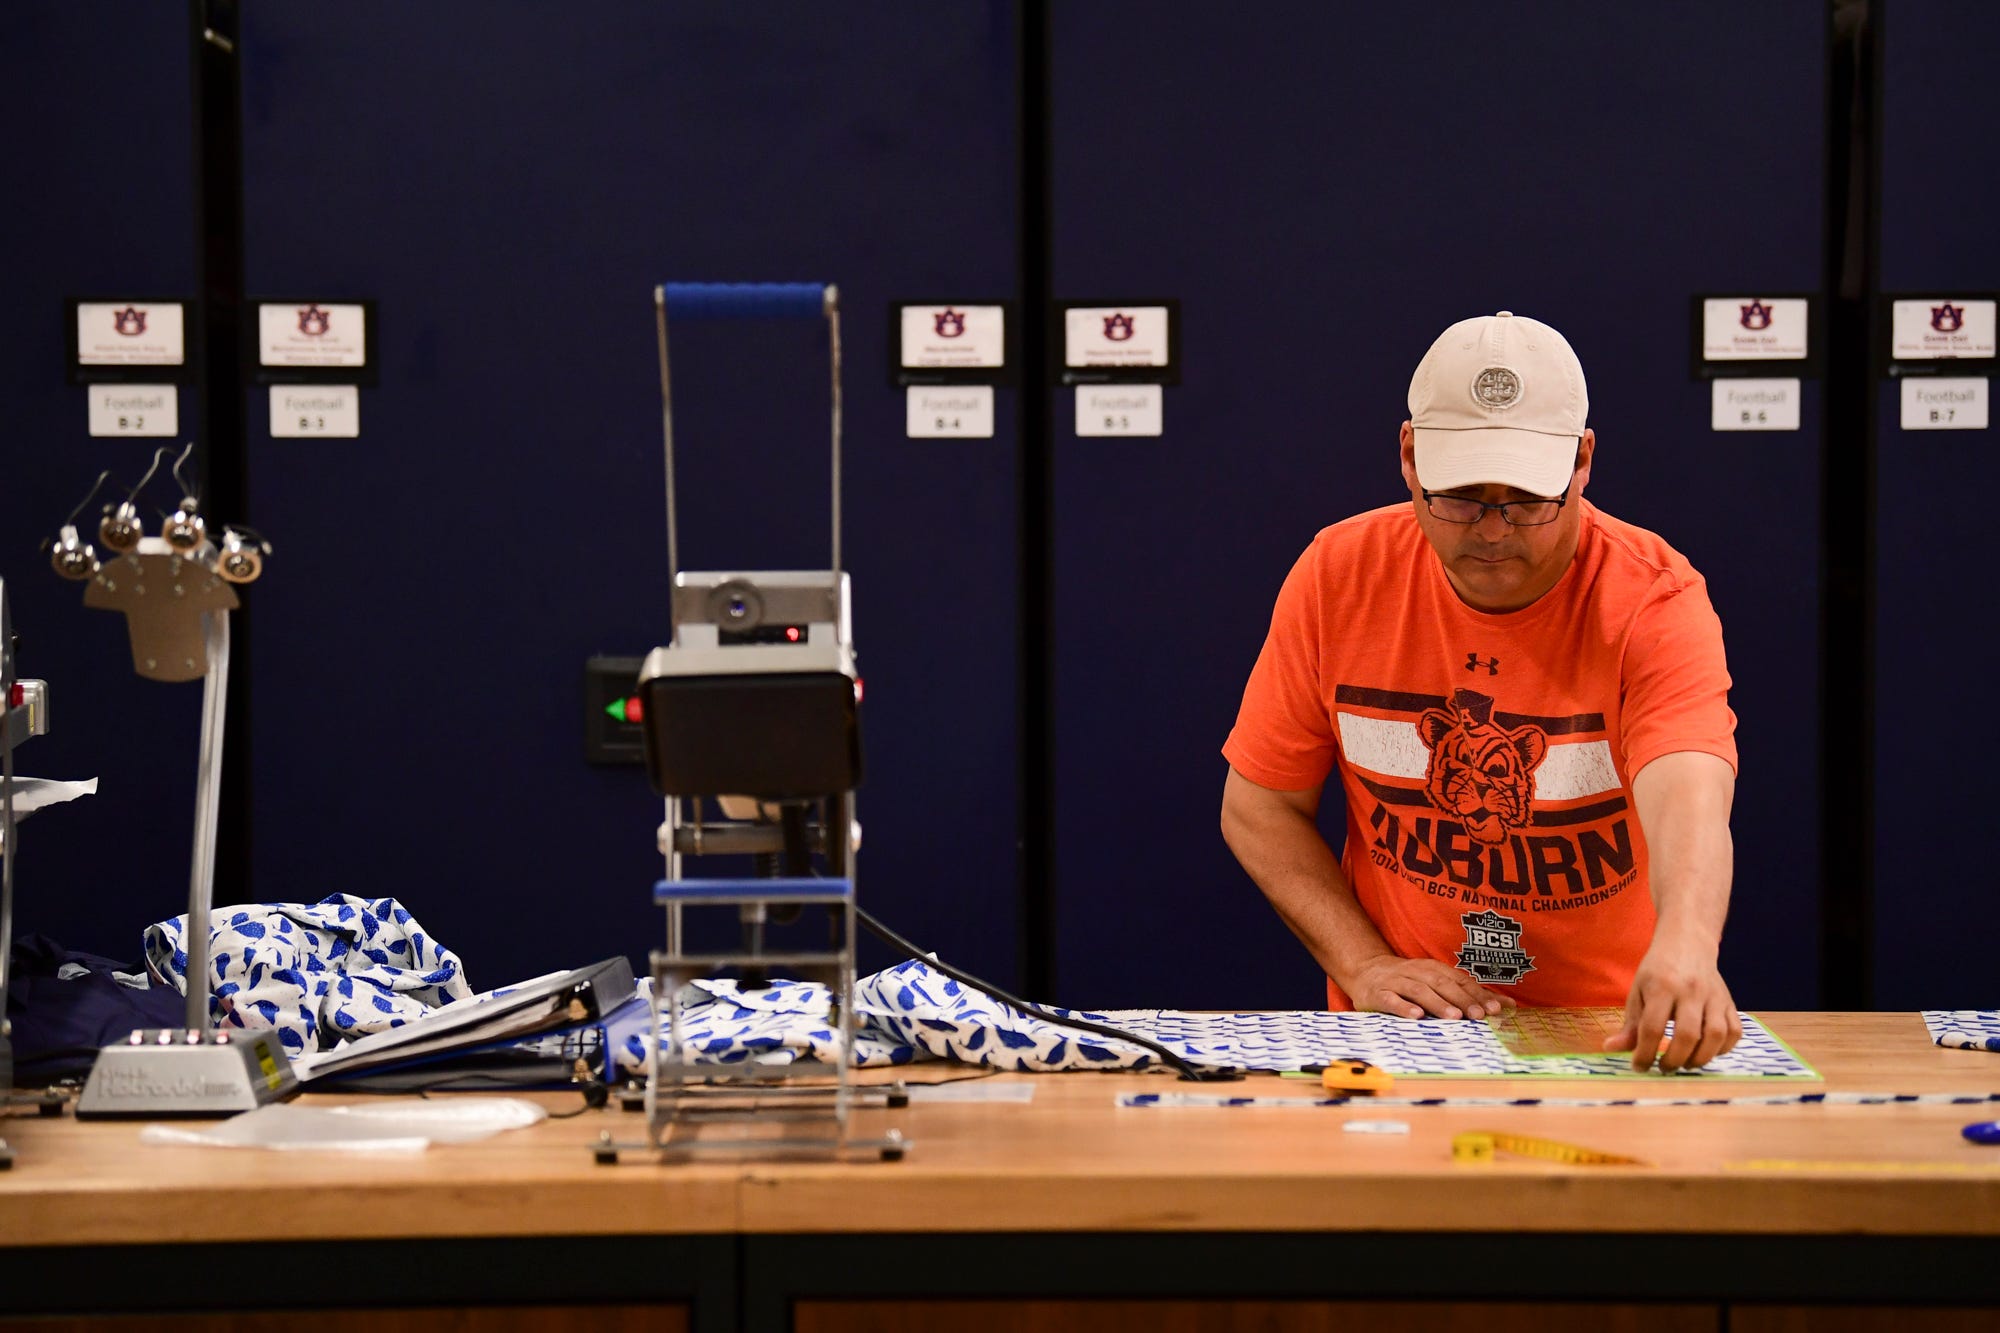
[
  {"x": 1935, "y": 927},
  {"x": 1325, "y": 188},
  {"x": 96, "y": 100},
  {"x": 510, "y": 184}
]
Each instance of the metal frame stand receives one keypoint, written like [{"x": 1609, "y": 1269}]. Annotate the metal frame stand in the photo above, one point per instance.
[
  {"x": 6, "y": 855},
  {"x": 23, "y": 713},
  {"x": 694, "y": 1108}
]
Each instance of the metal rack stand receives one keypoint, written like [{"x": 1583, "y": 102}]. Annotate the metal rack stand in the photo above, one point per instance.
[
  {"x": 772, "y": 1114},
  {"x": 197, "y": 1069},
  {"x": 774, "y": 652}
]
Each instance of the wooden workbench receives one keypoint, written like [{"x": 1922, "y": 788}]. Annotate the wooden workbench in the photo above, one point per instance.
[{"x": 1887, "y": 1203}]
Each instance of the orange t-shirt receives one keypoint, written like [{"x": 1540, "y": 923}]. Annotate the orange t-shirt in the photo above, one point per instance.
[{"x": 1487, "y": 759}]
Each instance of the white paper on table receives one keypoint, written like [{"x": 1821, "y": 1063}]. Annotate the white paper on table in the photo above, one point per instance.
[
  {"x": 394, "y": 1127},
  {"x": 971, "y": 1090}
]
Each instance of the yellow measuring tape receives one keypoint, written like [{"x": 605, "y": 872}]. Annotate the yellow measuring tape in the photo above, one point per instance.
[
  {"x": 1480, "y": 1145},
  {"x": 1832, "y": 1164}
]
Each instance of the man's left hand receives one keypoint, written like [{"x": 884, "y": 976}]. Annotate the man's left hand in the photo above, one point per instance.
[{"x": 1684, "y": 986}]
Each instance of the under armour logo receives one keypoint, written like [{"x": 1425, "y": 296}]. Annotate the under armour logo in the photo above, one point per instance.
[{"x": 1473, "y": 663}]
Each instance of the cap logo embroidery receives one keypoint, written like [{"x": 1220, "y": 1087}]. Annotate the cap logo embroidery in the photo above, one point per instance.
[{"x": 1496, "y": 387}]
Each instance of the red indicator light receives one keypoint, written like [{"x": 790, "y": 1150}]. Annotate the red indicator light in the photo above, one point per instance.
[
  {"x": 857, "y": 690},
  {"x": 792, "y": 633},
  {"x": 635, "y": 711}
]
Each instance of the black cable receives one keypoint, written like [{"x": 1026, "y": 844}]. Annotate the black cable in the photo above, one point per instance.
[
  {"x": 595, "y": 1097},
  {"x": 1187, "y": 1071},
  {"x": 833, "y": 1080}
]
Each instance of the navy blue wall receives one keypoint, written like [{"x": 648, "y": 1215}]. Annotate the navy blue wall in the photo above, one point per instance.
[
  {"x": 100, "y": 203},
  {"x": 1326, "y": 188},
  {"x": 1935, "y": 929},
  {"x": 511, "y": 184},
  {"x": 1323, "y": 188}
]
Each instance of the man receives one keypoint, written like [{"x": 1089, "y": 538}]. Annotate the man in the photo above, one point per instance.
[{"x": 1526, "y": 700}]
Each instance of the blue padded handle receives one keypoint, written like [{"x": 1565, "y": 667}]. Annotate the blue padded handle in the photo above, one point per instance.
[
  {"x": 792, "y": 890},
  {"x": 746, "y": 300}
]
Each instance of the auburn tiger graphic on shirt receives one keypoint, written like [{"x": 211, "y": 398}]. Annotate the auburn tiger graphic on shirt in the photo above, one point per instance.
[
  {"x": 1483, "y": 808},
  {"x": 1485, "y": 760},
  {"x": 1477, "y": 770}
]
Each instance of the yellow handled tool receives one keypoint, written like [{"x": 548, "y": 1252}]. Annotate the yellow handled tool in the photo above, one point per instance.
[{"x": 1356, "y": 1076}]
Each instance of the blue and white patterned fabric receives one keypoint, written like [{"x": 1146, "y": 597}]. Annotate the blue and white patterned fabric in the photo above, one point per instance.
[
  {"x": 911, "y": 1012},
  {"x": 1456, "y": 1048},
  {"x": 904, "y": 1013},
  {"x": 1364, "y": 1102},
  {"x": 1967, "y": 1029},
  {"x": 936, "y": 1015},
  {"x": 318, "y": 974},
  {"x": 785, "y": 1022}
]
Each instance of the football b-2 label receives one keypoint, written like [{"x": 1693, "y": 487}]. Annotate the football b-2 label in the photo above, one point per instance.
[{"x": 1480, "y": 842}]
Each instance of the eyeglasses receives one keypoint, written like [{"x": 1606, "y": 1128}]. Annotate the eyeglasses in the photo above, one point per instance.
[{"x": 1518, "y": 513}]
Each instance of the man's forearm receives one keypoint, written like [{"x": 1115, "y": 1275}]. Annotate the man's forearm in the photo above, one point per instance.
[
  {"x": 1283, "y": 852},
  {"x": 1684, "y": 802}
]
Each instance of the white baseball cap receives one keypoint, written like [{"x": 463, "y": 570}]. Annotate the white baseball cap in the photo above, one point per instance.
[{"x": 1498, "y": 400}]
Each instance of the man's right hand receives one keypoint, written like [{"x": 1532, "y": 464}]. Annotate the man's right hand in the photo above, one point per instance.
[{"x": 1413, "y": 987}]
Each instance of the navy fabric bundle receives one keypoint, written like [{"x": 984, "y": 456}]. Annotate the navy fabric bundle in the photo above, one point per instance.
[{"x": 65, "y": 1005}]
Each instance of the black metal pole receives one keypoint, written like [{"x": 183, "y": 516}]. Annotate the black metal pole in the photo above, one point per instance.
[
  {"x": 221, "y": 462},
  {"x": 1036, "y": 794},
  {"x": 1847, "y": 528}
]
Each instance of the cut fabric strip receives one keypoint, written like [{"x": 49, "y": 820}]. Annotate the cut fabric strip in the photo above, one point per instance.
[
  {"x": 1964, "y": 1029},
  {"x": 1212, "y": 1101}
]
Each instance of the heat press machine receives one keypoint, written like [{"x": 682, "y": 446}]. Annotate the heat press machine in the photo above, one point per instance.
[
  {"x": 176, "y": 591},
  {"x": 753, "y": 708}
]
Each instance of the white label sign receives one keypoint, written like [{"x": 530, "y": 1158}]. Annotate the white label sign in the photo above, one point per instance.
[
  {"x": 1118, "y": 409},
  {"x": 307, "y": 333},
  {"x": 331, "y": 410},
  {"x": 130, "y": 333},
  {"x": 1930, "y": 330},
  {"x": 963, "y": 337},
  {"x": 135, "y": 409},
  {"x": 1751, "y": 328},
  {"x": 1943, "y": 404},
  {"x": 1115, "y": 336},
  {"x": 939, "y": 413},
  {"x": 1754, "y": 405}
]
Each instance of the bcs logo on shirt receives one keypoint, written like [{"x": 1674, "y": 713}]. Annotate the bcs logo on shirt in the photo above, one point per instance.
[{"x": 1493, "y": 952}]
